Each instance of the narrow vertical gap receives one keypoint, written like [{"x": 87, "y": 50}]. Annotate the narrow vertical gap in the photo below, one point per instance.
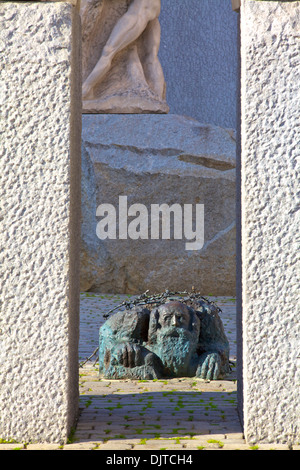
[
  {"x": 75, "y": 220},
  {"x": 239, "y": 319}
]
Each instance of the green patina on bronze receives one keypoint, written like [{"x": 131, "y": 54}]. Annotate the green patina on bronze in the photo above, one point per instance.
[{"x": 167, "y": 335}]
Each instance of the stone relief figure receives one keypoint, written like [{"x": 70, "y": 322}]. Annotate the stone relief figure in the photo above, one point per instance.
[
  {"x": 174, "y": 339},
  {"x": 121, "y": 69}
]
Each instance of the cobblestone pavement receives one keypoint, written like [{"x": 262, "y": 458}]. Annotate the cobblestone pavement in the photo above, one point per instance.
[{"x": 183, "y": 415}]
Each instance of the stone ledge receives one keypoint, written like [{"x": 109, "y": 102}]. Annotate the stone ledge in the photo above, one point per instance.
[{"x": 73, "y": 2}]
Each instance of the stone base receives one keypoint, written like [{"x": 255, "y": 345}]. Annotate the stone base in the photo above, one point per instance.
[
  {"x": 156, "y": 159},
  {"x": 124, "y": 105}
]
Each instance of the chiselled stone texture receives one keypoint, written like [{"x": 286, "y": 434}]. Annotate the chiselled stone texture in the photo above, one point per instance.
[
  {"x": 158, "y": 159},
  {"x": 39, "y": 193},
  {"x": 270, "y": 34}
]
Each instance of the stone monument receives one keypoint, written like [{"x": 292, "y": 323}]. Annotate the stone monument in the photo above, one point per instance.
[
  {"x": 158, "y": 159},
  {"x": 132, "y": 146},
  {"x": 121, "y": 69}
]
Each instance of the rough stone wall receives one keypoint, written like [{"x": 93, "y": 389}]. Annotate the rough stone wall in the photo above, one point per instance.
[
  {"x": 270, "y": 69},
  {"x": 198, "y": 53},
  {"x": 158, "y": 159},
  {"x": 40, "y": 232}
]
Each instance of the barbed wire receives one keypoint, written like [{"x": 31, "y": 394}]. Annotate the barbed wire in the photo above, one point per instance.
[
  {"x": 153, "y": 300},
  {"x": 159, "y": 299}
]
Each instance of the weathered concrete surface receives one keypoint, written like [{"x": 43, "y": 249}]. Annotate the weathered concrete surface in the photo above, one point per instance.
[
  {"x": 270, "y": 222},
  {"x": 40, "y": 209},
  {"x": 158, "y": 159}
]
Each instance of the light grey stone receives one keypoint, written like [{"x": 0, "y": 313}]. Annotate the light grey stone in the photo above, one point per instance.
[
  {"x": 40, "y": 210},
  {"x": 157, "y": 159},
  {"x": 270, "y": 221}
]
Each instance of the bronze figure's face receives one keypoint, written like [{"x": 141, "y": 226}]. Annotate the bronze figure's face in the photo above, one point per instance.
[{"x": 174, "y": 315}]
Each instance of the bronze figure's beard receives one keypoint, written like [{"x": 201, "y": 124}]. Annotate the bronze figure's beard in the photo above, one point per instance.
[{"x": 175, "y": 347}]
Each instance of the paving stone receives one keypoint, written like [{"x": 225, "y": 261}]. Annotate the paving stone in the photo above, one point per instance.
[
  {"x": 117, "y": 446},
  {"x": 235, "y": 446},
  {"x": 89, "y": 445},
  {"x": 10, "y": 446},
  {"x": 270, "y": 447},
  {"x": 235, "y": 436},
  {"x": 43, "y": 447},
  {"x": 158, "y": 447}
]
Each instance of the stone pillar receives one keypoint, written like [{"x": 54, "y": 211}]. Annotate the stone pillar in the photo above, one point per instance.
[
  {"x": 40, "y": 129},
  {"x": 270, "y": 70}
]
